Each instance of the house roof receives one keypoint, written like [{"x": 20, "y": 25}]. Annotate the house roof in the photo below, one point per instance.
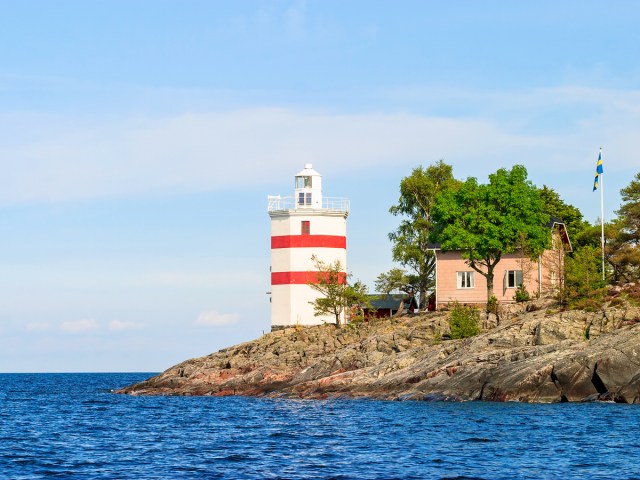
[
  {"x": 564, "y": 235},
  {"x": 391, "y": 301}
]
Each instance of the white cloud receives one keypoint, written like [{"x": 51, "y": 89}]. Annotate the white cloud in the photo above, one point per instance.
[
  {"x": 215, "y": 319},
  {"x": 120, "y": 325},
  {"x": 79, "y": 326},
  {"x": 86, "y": 158},
  {"x": 38, "y": 327},
  {"x": 207, "y": 151}
]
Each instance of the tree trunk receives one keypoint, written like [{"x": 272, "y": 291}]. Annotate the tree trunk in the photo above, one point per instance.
[
  {"x": 423, "y": 299},
  {"x": 489, "y": 277},
  {"x": 337, "y": 314}
]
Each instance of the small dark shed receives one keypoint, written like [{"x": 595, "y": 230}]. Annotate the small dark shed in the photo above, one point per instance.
[{"x": 388, "y": 305}]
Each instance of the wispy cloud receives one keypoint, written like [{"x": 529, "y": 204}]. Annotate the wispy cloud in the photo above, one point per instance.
[
  {"x": 79, "y": 326},
  {"x": 205, "y": 151},
  {"x": 138, "y": 156},
  {"x": 118, "y": 325},
  {"x": 216, "y": 319},
  {"x": 38, "y": 326}
]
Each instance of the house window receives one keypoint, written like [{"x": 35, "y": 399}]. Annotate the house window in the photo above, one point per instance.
[
  {"x": 554, "y": 278},
  {"x": 465, "y": 279},
  {"x": 514, "y": 278},
  {"x": 306, "y": 227}
]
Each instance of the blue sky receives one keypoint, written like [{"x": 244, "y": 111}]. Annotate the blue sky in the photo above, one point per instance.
[{"x": 139, "y": 141}]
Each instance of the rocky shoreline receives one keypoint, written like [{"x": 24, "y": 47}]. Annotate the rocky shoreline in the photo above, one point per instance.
[{"x": 542, "y": 356}]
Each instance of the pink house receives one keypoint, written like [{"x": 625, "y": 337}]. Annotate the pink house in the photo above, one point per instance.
[{"x": 457, "y": 281}]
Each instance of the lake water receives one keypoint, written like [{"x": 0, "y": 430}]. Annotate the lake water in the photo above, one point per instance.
[{"x": 72, "y": 426}]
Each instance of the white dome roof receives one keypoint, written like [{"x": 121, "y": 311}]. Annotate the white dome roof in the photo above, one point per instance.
[{"x": 308, "y": 171}]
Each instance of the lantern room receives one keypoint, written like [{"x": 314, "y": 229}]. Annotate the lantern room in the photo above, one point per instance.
[{"x": 308, "y": 189}]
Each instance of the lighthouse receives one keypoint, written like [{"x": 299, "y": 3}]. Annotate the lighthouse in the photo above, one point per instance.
[{"x": 305, "y": 225}]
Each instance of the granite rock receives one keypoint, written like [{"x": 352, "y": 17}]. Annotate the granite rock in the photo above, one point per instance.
[{"x": 536, "y": 356}]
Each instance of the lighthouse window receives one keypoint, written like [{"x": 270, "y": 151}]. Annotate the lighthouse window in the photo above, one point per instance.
[
  {"x": 303, "y": 182},
  {"x": 308, "y": 199},
  {"x": 306, "y": 227},
  {"x": 301, "y": 198}
]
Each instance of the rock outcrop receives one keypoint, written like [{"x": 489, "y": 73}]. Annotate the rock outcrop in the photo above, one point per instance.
[{"x": 539, "y": 356}]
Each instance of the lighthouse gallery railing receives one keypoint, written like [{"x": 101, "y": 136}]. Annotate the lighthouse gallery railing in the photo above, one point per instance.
[{"x": 332, "y": 204}]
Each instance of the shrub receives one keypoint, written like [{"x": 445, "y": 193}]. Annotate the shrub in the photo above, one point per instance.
[
  {"x": 492, "y": 305},
  {"x": 521, "y": 294},
  {"x": 616, "y": 302},
  {"x": 583, "y": 285},
  {"x": 586, "y": 304},
  {"x": 464, "y": 321}
]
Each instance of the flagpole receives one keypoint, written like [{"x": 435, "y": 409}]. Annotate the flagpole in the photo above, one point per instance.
[{"x": 602, "y": 216}]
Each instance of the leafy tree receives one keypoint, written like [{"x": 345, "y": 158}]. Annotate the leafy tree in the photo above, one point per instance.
[
  {"x": 568, "y": 214},
  {"x": 411, "y": 239},
  {"x": 589, "y": 236},
  {"x": 485, "y": 222},
  {"x": 398, "y": 279},
  {"x": 629, "y": 211},
  {"x": 337, "y": 295},
  {"x": 623, "y": 235},
  {"x": 583, "y": 275}
]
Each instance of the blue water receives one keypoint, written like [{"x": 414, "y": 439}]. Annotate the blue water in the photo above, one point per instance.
[{"x": 71, "y": 426}]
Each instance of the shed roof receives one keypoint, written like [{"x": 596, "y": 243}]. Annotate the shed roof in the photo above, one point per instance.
[{"x": 391, "y": 301}]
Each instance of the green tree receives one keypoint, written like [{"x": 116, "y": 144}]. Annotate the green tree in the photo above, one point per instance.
[
  {"x": 583, "y": 275},
  {"x": 337, "y": 295},
  {"x": 464, "y": 321},
  {"x": 568, "y": 214},
  {"x": 485, "y": 222},
  {"x": 411, "y": 239},
  {"x": 398, "y": 279},
  {"x": 629, "y": 211},
  {"x": 623, "y": 235}
]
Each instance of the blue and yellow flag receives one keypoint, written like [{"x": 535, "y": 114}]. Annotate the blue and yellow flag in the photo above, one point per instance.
[{"x": 598, "y": 171}]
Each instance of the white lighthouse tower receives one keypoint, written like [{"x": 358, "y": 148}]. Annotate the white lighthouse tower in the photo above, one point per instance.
[{"x": 304, "y": 225}]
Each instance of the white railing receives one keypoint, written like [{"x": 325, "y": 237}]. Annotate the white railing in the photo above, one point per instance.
[{"x": 332, "y": 204}]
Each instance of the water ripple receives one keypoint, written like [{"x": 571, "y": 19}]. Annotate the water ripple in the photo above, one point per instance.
[{"x": 71, "y": 426}]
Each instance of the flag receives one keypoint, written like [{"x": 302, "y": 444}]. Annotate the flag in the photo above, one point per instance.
[{"x": 598, "y": 171}]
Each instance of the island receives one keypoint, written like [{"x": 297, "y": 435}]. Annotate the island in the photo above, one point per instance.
[{"x": 538, "y": 354}]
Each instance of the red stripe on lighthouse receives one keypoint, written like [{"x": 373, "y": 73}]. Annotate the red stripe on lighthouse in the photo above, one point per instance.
[
  {"x": 301, "y": 241},
  {"x": 301, "y": 278}
]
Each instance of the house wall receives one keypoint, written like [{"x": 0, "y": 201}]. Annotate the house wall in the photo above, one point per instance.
[
  {"x": 543, "y": 276},
  {"x": 552, "y": 266},
  {"x": 449, "y": 263}
]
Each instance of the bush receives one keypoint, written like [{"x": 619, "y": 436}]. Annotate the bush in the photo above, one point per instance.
[
  {"x": 586, "y": 304},
  {"x": 492, "y": 305},
  {"x": 583, "y": 283},
  {"x": 464, "y": 321},
  {"x": 521, "y": 294}
]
